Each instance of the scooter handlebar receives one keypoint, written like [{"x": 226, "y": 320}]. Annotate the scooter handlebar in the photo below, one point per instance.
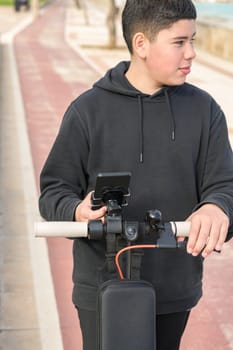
[{"x": 73, "y": 229}]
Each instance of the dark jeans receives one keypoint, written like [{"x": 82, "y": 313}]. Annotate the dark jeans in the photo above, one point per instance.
[{"x": 169, "y": 329}]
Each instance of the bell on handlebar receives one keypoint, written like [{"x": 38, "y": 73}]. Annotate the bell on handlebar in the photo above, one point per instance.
[{"x": 154, "y": 219}]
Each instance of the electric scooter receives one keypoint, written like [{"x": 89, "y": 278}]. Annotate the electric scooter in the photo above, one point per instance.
[{"x": 126, "y": 305}]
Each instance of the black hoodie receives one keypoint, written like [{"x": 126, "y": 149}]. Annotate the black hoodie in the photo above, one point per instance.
[{"x": 174, "y": 143}]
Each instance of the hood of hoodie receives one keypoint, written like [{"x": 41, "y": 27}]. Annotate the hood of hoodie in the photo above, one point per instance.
[{"x": 115, "y": 81}]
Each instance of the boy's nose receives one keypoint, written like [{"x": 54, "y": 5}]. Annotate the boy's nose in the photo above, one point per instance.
[{"x": 189, "y": 51}]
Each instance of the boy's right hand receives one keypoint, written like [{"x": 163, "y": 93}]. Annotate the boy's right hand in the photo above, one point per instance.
[{"x": 83, "y": 211}]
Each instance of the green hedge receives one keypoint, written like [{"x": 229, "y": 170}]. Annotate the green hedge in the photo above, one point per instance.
[{"x": 6, "y": 2}]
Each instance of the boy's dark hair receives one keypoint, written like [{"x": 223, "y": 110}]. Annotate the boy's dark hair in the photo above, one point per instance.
[{"x": 151, "y": 16}]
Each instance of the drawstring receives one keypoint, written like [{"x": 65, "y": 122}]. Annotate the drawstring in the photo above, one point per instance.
[
  {"x": 173, "y": 124},
  {"x": 141, "y": 126},
  {"x": 141, "y": 136}
]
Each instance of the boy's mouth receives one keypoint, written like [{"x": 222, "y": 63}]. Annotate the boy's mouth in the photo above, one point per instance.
[{"x": 185, "y": 70}]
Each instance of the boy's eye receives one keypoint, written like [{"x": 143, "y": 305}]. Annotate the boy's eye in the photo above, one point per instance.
[{"x": 179, "y": 42}]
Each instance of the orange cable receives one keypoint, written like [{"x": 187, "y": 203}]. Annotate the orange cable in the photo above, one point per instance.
[{"x": 140, "y": 246}]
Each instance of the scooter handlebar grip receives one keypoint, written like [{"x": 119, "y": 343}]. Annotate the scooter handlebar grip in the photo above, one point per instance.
[
  {"x": 181, "y": 228},
  {"x": 68, "y": 229}
]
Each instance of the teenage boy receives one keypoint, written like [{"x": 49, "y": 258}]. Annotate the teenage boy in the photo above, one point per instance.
[{"x": 142, "y": 117}]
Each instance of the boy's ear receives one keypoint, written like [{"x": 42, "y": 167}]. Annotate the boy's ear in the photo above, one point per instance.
[{"x": 139, "y": 43}]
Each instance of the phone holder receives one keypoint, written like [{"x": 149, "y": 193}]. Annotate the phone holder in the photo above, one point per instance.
[
  {"x": 111, "y": 188},
  {"x": 111, "y": 191}
]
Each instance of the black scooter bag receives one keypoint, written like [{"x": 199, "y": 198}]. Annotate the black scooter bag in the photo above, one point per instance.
[{"x": 126, "y": 316}]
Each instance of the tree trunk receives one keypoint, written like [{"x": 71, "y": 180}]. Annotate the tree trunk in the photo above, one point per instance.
[
  {"x": 35, "y": 8},
  {"x": 81, "y": 4},
  {"x": 111, "y": 23}
]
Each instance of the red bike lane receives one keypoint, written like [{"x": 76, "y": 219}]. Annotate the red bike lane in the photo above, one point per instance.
[{"x": 51, "y": 76}]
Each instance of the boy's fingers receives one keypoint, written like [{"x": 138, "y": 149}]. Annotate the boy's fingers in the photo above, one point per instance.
[
  {"x": 212, "y": 240},
  {"x": 206, "y": 238},
  {"x": 97, "y": 214},
  {"x": 222, "y": 236},
  {"x": 193, "y": 236},
  {"x": 199, "y": 236}
]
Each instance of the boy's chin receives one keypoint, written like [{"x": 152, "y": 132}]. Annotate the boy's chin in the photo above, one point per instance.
[
  {"x": 176, "y": 83},
  {"x": 179, "y": 81}
]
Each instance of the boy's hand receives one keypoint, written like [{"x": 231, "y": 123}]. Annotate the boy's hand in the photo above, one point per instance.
[
  {"x": 209, "y": 227},
  {"x": 84, "y": 212}
]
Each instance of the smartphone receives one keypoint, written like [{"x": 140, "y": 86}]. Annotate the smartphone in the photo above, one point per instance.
[{"x": 110, "y": 183}]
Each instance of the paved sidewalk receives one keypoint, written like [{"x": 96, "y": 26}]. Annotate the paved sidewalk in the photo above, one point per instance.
[
  {"x": 9, "y": 19},
  {"x": 28, "y": 314},
  {"x": 18, "y": 314},
  {"x": 51, "y": 74}
]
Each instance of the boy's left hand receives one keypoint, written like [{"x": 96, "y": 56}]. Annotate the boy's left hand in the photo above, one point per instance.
[{"x": 209, "y": 227}]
